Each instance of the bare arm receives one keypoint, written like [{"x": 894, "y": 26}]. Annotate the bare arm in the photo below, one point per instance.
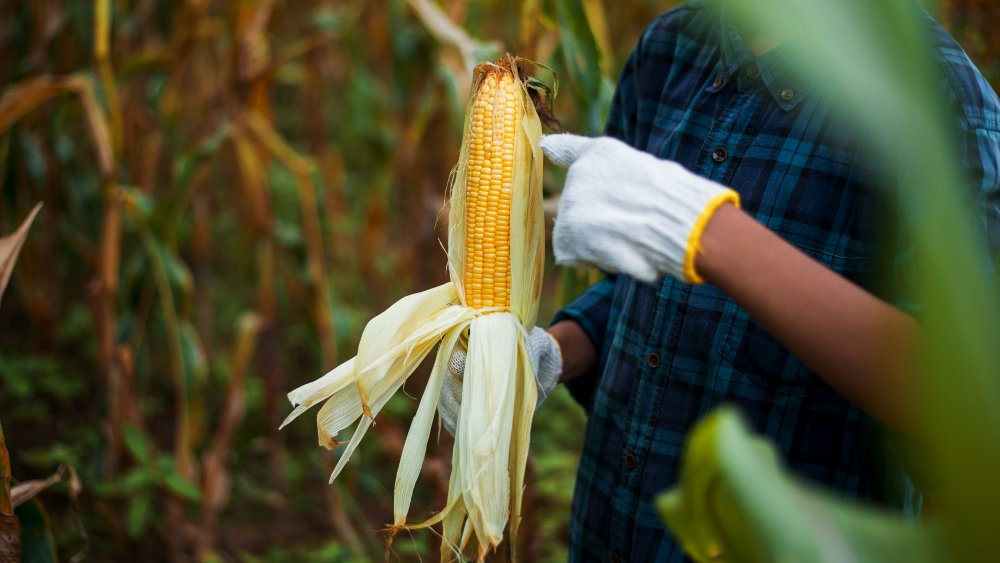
[
  {"x": 861, "y": 346},
  {"x": 578, "y": 353}
]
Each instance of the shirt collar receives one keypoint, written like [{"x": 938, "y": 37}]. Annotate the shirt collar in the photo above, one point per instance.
[{"x": 775, "y": 69}]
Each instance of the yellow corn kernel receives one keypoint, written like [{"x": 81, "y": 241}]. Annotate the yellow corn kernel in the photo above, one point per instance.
[{"x": 495, "y": 115}]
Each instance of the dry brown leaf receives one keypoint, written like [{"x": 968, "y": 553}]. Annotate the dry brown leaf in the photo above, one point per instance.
[
  {"x": 252, "y": 174},
  {"x": 10, "y": 246},
  {"x": 26, "y": 96},
  {"x": 28, "y": 490},
  {"x": 302, "y": 168},
  {"x": 10, "y": 538},
  {"x": 446, "y": 31},
  {"x": 97, "y": 122},
  {"x": 32, "y": 92}
]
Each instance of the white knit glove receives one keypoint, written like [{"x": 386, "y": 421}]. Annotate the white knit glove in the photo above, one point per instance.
[
  {"x": 546, "y": 359},
  {"x": 623, "y": 210}
]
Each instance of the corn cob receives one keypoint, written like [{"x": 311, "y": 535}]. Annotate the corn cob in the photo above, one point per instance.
[
  {"x": 488, "y": 189},
  {"x": 495, "y": 253}
]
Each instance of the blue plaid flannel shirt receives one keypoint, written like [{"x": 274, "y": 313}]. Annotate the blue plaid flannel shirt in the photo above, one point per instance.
[{"x": 670, "y": 352}]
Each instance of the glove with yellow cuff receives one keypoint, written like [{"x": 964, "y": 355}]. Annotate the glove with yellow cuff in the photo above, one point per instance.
[{"x": 626, "y": 211}]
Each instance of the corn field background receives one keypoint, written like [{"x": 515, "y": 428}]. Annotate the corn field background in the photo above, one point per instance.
[{"x": 230, "y": 190}]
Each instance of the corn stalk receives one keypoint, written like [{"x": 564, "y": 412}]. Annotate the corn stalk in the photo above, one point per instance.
[
  {"x": 10, "y": 542},
  {"x": 215, "y": 477}
]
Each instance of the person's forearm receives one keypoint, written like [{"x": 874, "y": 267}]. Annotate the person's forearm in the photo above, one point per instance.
[
  {"x": 578, "y": 353},
  {"x": 860, "y": 345}
]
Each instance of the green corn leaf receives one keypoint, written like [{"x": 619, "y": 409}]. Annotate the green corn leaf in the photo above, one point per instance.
[
  {"x": 37, "y": 543},
  {"x": 736, "y": 501},
  {"x": 183, "y": 488},
  {"x": 136, "y": 443},
  {"x": 137, "y": 514}
]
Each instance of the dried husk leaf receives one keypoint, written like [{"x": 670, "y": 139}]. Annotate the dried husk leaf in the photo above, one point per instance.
[
  {"x": 415, "y": 447},
  {"x": 527, "y": 230},
  {"x": 485, "y": 423},
  {"x": 524, "y": 411}
]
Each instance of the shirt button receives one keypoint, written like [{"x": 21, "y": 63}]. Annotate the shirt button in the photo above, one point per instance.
[
  {"x": 719, "y": 82},
  {"x": 629, "y": 460},
  {"x": 787, "y": 94},
  {"x": 614, "y": 558},
  {"x": 720, "y": 154},
  {"x": 752, "y": 72},
  {"x": 653, "y": 360}
]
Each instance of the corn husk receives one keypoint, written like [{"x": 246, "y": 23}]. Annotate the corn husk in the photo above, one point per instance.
[{"x": 499, "y": 392}]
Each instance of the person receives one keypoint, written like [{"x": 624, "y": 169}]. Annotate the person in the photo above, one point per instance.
[{"x": 737, "y": 214}]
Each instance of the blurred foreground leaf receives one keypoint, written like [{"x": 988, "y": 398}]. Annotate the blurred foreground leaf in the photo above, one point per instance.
[
  {"x": 876, "y": 60},
  {"x": 736, "y": 502}
]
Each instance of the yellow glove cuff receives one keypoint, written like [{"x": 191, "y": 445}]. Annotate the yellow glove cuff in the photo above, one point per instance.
[{"x": 694, "y": 239}]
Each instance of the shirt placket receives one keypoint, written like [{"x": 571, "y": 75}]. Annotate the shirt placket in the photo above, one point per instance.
[
  {"x": 655, "y": 370},
  {"x": 653, "y": 381},
  {"x": 734, "y": 125}
]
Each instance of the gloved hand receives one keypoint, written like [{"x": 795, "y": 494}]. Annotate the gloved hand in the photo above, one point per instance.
[
  {"x": 546, "y": 359},
  {"x": 623, "y": 210}
]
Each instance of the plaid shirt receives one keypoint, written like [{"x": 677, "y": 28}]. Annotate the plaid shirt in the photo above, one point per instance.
[{"x": 670, "y": 352}]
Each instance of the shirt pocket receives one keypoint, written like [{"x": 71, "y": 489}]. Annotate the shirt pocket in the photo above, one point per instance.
[{"x": 758, "y": 358}]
